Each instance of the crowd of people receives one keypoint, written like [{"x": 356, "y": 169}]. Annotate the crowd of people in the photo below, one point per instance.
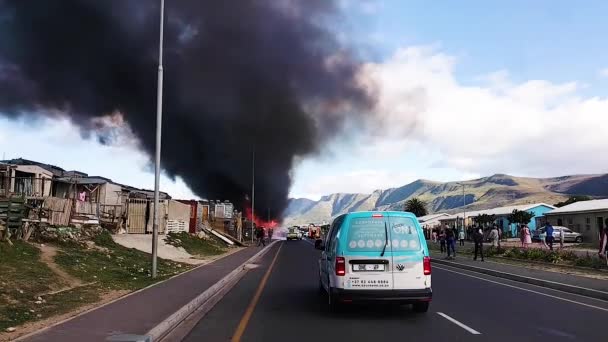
[
  {"x": 446, "y": 237},
  {"x": 260, "y": 234}
]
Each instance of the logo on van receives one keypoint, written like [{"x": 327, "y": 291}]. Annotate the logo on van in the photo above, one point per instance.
[
  {"x": 400, "y": 267},
  {"x": 400, "y": 228}
]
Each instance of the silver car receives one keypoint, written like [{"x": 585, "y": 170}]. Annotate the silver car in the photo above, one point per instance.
[{"x": 569, "y": 235}]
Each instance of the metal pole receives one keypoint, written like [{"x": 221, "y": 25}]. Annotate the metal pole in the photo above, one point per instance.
[
  {"x": 464, "y": 210},
  {"x": 159, "y": 123},
  {"x": 252, "y": 192}
]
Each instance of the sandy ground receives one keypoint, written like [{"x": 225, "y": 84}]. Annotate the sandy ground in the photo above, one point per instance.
[
  {"x": 47, "y": 256},
  {"x": 143, "y": 242}
]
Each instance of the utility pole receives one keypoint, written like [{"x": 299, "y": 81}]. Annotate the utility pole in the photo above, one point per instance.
[
  {"x": 464, "y": 210},
  {"x": 159, "y": 123},
  {"x": 252, "y": 192}
]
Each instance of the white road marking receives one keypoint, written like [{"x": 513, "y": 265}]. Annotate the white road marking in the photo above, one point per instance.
[
  {"x": 527, "y": 290},
  {"x": 462, "y": 325}
]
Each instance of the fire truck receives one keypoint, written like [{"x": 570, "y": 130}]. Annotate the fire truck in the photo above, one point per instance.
[{"x": 314, "y": 232}]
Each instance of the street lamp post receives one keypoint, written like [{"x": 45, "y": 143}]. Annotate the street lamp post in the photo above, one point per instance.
[
  {"x": 159, "y": 123},
  {"x": 252, "y": 192},
  {"x": 464, "y": 210}
]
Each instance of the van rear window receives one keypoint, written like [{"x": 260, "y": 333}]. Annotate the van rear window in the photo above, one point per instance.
[{"x": 367, "y": 234}]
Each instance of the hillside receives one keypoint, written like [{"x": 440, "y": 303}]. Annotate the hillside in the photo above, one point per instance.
[{"x": 483, "y": 193}]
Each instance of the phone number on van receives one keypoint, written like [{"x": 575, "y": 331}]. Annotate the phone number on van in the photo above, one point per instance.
[{"x": 368, "y": 283}]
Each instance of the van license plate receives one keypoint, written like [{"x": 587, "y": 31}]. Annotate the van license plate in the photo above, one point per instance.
[{"x": 368, "y": 267}]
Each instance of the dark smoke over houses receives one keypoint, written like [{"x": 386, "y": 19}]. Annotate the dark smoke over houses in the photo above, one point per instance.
[{"x": 238, "y": 74}]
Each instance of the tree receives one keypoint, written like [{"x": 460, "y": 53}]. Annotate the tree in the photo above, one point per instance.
[
  {"x": 416, "y": 206},
  {"x": 572, "y": 200},
  {"x": 484, "y": 219},
  {"x": 520, "y": 217}
]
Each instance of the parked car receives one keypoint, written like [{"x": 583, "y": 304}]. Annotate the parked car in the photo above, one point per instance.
[
  {"x": 378, "y": 257},
  {"x": 569, "y": 235}
]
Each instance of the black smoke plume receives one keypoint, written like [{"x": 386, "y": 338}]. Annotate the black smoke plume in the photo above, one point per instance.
[{"x": 238, "y": 74}]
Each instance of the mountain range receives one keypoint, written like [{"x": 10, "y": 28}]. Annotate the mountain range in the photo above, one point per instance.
[{"x": 484, "y": 193}]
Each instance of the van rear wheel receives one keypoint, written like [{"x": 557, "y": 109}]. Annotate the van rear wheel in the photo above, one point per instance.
[{"x": 421, "y": 307}]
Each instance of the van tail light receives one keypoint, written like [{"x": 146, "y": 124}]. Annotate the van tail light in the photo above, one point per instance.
[
  {"x": 426, "y": 265},
  {"x": 340, "y": 266}
]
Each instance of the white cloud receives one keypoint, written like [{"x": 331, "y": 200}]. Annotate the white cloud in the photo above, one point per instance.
[
  {"x": 437, "y": 128},
  {"x": 359, "y": 181},
  {"x": 535, "y": 127},
  {"x": 603, "y": 72}
]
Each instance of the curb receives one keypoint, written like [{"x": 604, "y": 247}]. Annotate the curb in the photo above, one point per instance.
[
  {"x": 528, "y": 280},
  {"x": 202, "y": 301}
]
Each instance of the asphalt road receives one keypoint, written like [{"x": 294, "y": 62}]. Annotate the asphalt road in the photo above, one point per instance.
[{"x": 279, "y": 301}]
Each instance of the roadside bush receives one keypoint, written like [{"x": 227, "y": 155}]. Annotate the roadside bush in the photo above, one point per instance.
[
  {"x": 553, "y": 257},
  {"x": 535, "y": 254}
]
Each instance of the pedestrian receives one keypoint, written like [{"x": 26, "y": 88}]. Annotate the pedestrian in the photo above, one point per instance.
[
  {"x": 494, "y": 236},
  {"x": 527, "y": 240},
  {"x": 604, "y": 243},
  {"x": 522, "y": 236},
  {"x": 434, "y": 236},
  {"x": 499, "y": 230},
  {"x": 603, "y": 253},
  {"x": 461, "y": 237},
  {"x": 442, "y": 240},
  {"x": 549, "y": 237},
  {"x": 270, "y": 231},
  {"x": 450, "y": 240},
  {"x": 260, "y": 236},
  {"x": 478, "y": 240}
]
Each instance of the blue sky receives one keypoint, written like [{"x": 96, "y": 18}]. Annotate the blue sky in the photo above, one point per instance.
[
  {"x": 469, "y": 88},
  {"x": 553, "y": 40}
]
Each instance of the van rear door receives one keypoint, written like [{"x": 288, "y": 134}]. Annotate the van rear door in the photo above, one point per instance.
[
  {"x": 407, "y": 254},
  {"x": 367, "y": 253}
]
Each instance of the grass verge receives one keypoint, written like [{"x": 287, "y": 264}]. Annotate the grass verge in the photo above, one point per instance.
[
  {"x": 22, "y": 278},
  {"x": 194, "y": 245},
  {"x": 104, "y": 268},
  {"x": 112, "y": 266}
]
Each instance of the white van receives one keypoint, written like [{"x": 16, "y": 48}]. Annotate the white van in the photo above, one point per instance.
[{"x": 376, "y": 256}]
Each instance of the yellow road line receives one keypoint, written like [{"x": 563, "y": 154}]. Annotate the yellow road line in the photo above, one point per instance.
[{"x": 254, "y": 301}]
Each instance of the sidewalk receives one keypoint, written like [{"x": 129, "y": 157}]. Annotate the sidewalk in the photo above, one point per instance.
[
  {"x": 596, "y": 288},
  {"x": 141, "y": 311}
]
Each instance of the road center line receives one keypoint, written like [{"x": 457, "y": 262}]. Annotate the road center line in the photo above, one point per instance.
[
  {"x": 254, "y": 301},
  {"x": 527, "y": 290},
  {"x": 460, "y": 324}
]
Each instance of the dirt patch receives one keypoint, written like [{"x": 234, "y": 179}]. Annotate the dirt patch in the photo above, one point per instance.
[
  {"x": 47, "y": 256},
  {"x": 31, "y": 327}
]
